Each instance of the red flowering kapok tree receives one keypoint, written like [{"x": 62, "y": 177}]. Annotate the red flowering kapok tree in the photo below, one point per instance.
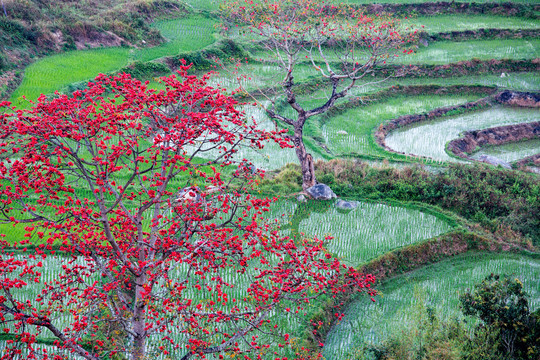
[
  {"x": 140, "y": 246},
  {"x": 338, "y": 44}
]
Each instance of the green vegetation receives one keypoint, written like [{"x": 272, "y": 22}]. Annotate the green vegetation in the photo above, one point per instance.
[
  {"x": 34, "y": 28},
  {"x": 58, "y": 71},
  {"x": 54, "y": 72},
  {"x": 429, "y": 139},
  {"x": 363, "y": 233},
  {"x": 503, "y": 308},
  {"x": 512, "y": 151},
  {"x": 184, "y": 34},
  {"x": 506, "y": 330},
  {"x": 435, "y": 286},
  {"x": 447, "y": 23},
  {"x": 489, "y": 196},
  {"x": 416, "y": 311}
]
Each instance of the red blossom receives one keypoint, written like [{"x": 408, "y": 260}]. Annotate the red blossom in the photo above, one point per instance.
[{"x": 136, "y": 198}]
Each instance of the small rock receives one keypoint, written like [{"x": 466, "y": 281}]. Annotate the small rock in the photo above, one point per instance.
[
  {"x": 494, "y": 161},
  {"x": 321, "y": 192},
  {"x": 503, "y": 75},
  {"x": 301, "y": 198},
  {"x": 346, "y": 205},
  {"x": 188, "y": 194},
  {"x": 342, "y": 132}
]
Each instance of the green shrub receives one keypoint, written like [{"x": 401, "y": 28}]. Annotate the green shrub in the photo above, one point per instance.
[
  {"x": 69, "y": 43},
  {"x": 483, "y": 346},
  {"x": 145, "y": 70},
  {"x": 508, "y": 329},
  {"x": 205, "y": 59},
  {"x": 490, "y": 196},
  {"x": 3, "y": 62},
  {"x": 327, "y": 179}
]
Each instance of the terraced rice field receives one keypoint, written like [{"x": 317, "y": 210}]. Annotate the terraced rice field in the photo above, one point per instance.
[
  {"x": 447, "y": 23},
  {"x": 186, "y": 34},
  {"x": 54, "y": 72},
  {"x": 361, "y": 234},
  {"x": 371, "y": 229},
  {"x": 358, "y": 235},
  {"x": 268, "y": 75},
  {"x": 347, "y": 133},
  {"x": 436, "y": 285},
  {"x": 203, "y": 4},
  {"x": 429, "y": 139},
  {"x": 351, "y": 132},
  {"x": 445, "y": 52},
  {"x": 524, "y": 81},
  {"x": 58, "y": 71},
  {"x": 512, "y": 151}
]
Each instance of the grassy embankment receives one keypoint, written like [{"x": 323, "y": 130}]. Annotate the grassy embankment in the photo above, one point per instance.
[
  {"x": 56, "y": 72},
  {"x": 388, "y": 108}
]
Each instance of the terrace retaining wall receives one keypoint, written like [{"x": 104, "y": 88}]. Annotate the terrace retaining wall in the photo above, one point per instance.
[
  {"x": 463, "y": 68},
  {"x": 472, "y": 140},
  {"x": 519, "y": 98},
  {"x": 444, "y": 7},
  {"x": 534, "y": 159},
  {"x": 481, "y": 34}
]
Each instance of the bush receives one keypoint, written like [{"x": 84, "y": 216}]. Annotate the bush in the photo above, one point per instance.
[
  {"x": 288, "y": 180},
  {"x": 3, "y": 62},
  {"x": 327, "y": 179},
  {"x": 205, "y": 59},
  {"x": 69, "y": 43},
  {"x": 507, "y": 327},
  {"x": 493, "y": 197},
  {"x": 145, "y": 70},
  {"x": 483, "y": 346}
]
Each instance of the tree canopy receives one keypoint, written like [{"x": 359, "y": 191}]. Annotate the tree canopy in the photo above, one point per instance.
[{"x": 134, "y": 196}]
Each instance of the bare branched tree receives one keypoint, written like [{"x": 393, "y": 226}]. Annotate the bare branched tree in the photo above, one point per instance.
[{"x": 339, "y": 44}]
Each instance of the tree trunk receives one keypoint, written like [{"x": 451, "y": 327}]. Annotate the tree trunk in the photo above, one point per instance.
[
  {"x": 305, "y": 159},
  {"x": 139, "y": 341},
  {"x": 139, "y": 348}
]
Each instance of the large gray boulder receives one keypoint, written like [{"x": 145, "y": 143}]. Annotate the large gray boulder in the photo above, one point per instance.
[
  {"x": 346, "y": 205},
  {"x": 321, "y": 192},
  {"x": 494, "y": 161}
]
